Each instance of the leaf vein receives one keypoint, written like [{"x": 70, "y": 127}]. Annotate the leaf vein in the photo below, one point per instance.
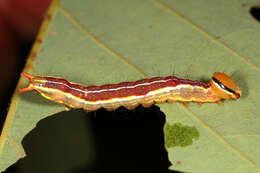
[
  {"x": 221, "y": 138},
  {"x": 207, "y": 34},
  {"x": 13, "y": 144},
  {"x": 100, "y": 43}
]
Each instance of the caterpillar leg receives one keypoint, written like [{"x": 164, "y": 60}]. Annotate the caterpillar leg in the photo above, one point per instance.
[
  {"x": 67, "y": 108},
  {"x": 147, "y": 105},
  {"x": 219, "y": 102}
]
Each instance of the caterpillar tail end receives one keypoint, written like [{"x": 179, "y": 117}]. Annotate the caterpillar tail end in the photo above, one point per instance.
[{"x": 30, "y": 86}]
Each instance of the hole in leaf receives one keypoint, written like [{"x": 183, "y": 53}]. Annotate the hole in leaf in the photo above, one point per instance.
[
  {"x": 255, "y": 12},
  {"x": 101, "y": 141}
]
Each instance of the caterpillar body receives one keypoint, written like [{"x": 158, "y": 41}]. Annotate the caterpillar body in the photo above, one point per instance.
[{"x": 130, "y": 94}]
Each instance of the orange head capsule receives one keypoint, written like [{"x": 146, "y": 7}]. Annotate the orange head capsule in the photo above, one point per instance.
[{"x": 224, "y": 87}]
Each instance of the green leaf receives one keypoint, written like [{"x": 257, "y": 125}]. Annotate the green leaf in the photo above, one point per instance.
[{"x": 98, "y": 42}]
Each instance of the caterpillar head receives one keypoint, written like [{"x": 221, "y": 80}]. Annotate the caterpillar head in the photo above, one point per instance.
[{"x": 224, "y": 86}]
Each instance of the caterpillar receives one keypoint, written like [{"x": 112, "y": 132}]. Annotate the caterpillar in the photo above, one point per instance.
[{"x": 130, "y": 94}]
